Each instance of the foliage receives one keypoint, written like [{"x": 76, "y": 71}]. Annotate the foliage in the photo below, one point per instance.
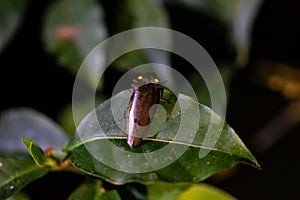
[
  {"x": 70, "y": 30},
  {"x": 228, "y": 151}
]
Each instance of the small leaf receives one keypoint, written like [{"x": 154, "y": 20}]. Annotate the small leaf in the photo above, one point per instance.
[
  {"x": 204, "y": 191},
  {"x": 19, "y": 123},
  {"x": 15, "y": 174},
  {"x": 92, "y": 190},
  {"x": 100, "y": 148},
  {"x": 38, "y": 155}
]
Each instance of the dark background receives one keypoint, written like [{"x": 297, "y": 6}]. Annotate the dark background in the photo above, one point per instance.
[{"x": 31, "y": 77}]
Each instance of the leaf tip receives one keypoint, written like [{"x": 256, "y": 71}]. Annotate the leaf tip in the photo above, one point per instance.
[
  {"x": 27, "y": 142},
  {"x": 257, "y": 165}
]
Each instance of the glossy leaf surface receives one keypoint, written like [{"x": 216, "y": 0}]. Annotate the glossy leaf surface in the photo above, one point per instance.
[
  {"x": 15, "y": 174},
  {"x": 100, "y": 147}
]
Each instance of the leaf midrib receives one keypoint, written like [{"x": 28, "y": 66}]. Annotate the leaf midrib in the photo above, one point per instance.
[
  {"x": 18, "y": 175},
  {"x": 70, "y": 148}
]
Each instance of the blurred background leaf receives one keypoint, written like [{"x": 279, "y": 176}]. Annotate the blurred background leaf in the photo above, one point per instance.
[
  {"x": 166, "y": 191},
  {"x": 238, "y": 15},
  {"x": 134, "y": 14},
  {"x": 19, "y": 123},
  {"x": 19, "y": 196},
  {"x": 11, "y": 13},
  {"x": 72, "y": 29},
  {"x": 204, "y": 191},
  {"x": 92, "y": 189},
  {"x": 65, "y": 117}
]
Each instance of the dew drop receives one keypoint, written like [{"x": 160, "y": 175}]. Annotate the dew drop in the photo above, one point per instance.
[
  {"x": 1, "y": 165},
  {"x": 11, "y": 187}
]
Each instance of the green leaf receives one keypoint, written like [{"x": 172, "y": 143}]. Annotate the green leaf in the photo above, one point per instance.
[
  {"x": 66, "y": 118},
  {"x": 110, "y": 195},
  {"x": 38, "y": 155},
  {"x": 99, "y": 148},
  {"x": 204, "y": 191},
  {"x": 166, "y": 191},
  {"x": 19, "y": 123},
  {"x": 136, "y": 14},
  {"x": 88, "y": 190},
  {"x": 11, "y": 12},
  {"x": 147, "y": 13},
  {"x": 15, "y": 174},
  {"x": 92, "y": 190},
  {"x": 19, "y": 196},
  {"x": 72, "y": 29},
  {"x": 238, "y": 15},
  {"x": 200, "y": 87},
  {"x": 185, "y": 191}
]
